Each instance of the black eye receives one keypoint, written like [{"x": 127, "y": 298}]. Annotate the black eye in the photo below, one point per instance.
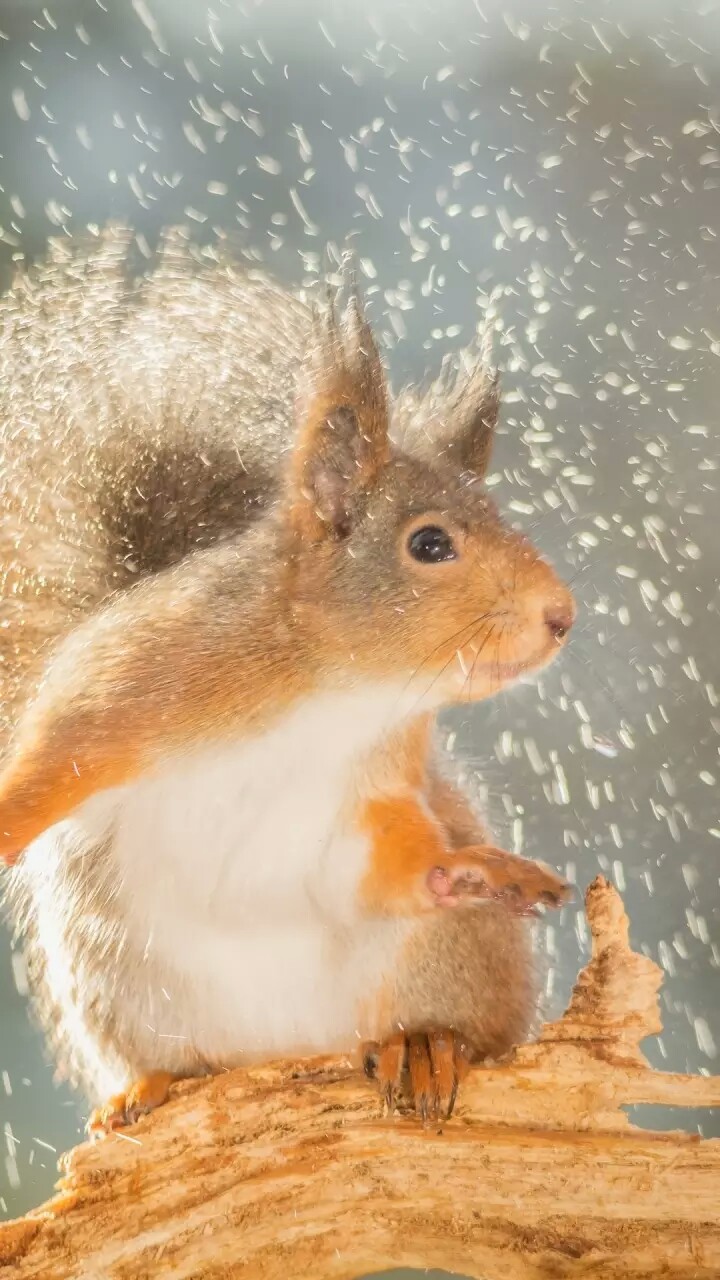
[{"x": 431, "y": 545}]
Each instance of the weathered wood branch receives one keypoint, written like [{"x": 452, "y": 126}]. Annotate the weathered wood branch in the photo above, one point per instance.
[{"x": 290, "y": 1171}]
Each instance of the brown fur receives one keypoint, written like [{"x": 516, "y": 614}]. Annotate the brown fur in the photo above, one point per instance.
[{"x": 201, "y": 525}]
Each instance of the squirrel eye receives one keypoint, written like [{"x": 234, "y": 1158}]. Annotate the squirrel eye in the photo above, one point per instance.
[{"x": 431, "y": 545}]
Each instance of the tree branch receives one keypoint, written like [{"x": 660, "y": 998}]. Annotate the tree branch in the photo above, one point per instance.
[{"x": 290, "y": 1171}]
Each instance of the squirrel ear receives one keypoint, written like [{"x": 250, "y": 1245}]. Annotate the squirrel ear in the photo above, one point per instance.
[
  {"x": 456, "y": 420},
  {"x": 342, "y": 422},
  {"x": 474, "y": 416}
]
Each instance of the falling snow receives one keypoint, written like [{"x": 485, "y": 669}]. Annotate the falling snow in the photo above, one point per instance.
[{"x": 563, "y": 172}]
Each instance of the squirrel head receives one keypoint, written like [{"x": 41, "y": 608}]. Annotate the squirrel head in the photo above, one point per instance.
[{"x": 400, "y": 562}]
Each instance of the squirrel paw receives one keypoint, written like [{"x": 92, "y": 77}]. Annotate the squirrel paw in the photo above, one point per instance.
[
  {"x": 433, "y": 1065},
  {"x": 123, "y": 1109},
  {"x": 482, "y": 873}
]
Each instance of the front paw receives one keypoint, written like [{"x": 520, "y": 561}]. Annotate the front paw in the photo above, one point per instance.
[{"x": 484, "y": 873}]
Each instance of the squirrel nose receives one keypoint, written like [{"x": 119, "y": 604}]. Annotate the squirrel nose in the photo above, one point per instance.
[{"x": 559, "y": 619}]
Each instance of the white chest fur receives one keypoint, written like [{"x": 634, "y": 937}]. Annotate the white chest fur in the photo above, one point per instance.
[
  {"x": 239, "y": 831},
  {"x": 237, "y": 880}
]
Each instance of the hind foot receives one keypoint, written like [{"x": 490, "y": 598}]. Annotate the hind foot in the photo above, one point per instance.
[
  {"x": 431, "y": 1065},
  {"x": 123, "y": 1109}
]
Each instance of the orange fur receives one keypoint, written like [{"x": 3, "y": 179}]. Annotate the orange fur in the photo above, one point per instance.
[
  {"x": 404, "y": 845},
  {"x": 102, "y": 717},
  {"x": 144, "y": 1095},
  {"x": 417, "y": 822},
  {"x": 42, "y": 786},
  {"x": 408, "y": 847}
]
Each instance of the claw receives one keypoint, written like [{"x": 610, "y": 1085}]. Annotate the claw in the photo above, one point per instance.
[
  {"x": 389, "y": 1100},
  {"x": 390, "y": 1064},
  {"x": 437, "y": 1063},
  {"x": 127, "y": 1108}
]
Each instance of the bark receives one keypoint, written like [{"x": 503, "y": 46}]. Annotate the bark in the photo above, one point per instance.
[{"x": 290, "y": 1170}]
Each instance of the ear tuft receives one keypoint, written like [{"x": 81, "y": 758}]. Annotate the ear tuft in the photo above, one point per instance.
[
  {"x": 473, "y": 409},
  {"x": 456, "y": 420},
  {"x": 342, "y": 421}
]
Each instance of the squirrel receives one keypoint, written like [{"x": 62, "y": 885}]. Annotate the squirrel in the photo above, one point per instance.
[{"x": 238, "y": 580}]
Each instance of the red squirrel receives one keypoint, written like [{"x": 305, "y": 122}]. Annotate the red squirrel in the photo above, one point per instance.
[{"x": 238, "y": 580}]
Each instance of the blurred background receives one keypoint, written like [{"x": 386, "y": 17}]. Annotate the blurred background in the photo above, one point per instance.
[{"x": 562, "y": 163}]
